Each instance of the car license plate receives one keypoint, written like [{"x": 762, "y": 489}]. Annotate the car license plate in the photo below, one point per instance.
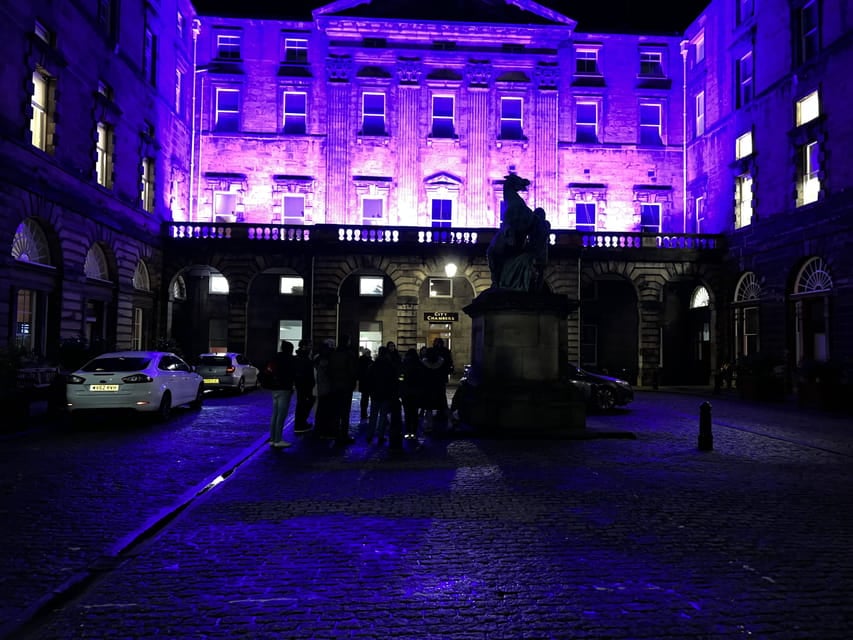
[
  {"x": 103, "y": 387},
  {"x": 211, "y": 381}
]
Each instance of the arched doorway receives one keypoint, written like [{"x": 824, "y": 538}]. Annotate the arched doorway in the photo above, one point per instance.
[
  {"x": 277, "y": 309},
  {"x": 686, "y": 340},
  {"x": 609, "y": 331},
  {"x": 367, "y": 309},
  {"x": 812, "y": 312}
]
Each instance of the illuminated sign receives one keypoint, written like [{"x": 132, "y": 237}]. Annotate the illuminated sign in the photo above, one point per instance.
[{"x": 441, "y": 316}]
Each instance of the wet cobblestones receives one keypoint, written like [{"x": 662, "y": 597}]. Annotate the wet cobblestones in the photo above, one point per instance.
[{"x": 480, "y": 539}]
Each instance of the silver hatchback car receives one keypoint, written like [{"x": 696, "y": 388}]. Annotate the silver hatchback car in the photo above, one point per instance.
[{"x": 227, "y": 371}]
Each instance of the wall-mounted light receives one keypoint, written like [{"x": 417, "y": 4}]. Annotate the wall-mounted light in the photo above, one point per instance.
[{"x": 450, "y": 269}]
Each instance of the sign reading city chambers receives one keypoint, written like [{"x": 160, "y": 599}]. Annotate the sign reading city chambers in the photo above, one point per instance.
[{"x": 441, "y": 316}]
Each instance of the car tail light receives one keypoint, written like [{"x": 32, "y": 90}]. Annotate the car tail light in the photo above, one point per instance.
[
  {"x": 72, "y": 379},
  {"x": 230, "y": 370},
  {"x": 136, "y": 378}
]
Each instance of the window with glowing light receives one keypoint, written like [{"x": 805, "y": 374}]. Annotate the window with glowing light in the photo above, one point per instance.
[
  {"x": 442, "y": 117},
  {"x": 650, "y": 125},
  {"x": 586, "y": 122},
  {"x": 228, "y": 46},
  {"x": 42, "y": 105},
  {"x": 371, "y": 286},
  {"x": 295, "y": 51},
  {"x": 700, "y": 113},
  {"x": 224, "y": 206},
  {"x": 585, "y": 216},
  {"x": 743, "y": 145},
  {"x": 809, "y": 188},
  {"x": 227, "y": 110},
  {"x": 295, "y": 112},
  {"x": 373, "y": 114},
  {"x": 104, "y": 161},
  {"x": 147, "y": 195},
  {"x": 291, "y": 286},
  {"x": 650, "y": 218},
  {"x": 442, "y": 213},
  {"x": 25, "y": 319},
  {"x": 700, "y": 298},
  {"x": 699, "y": 48},
  {"x": 218, "y": 284},
  {"x": 808, "y": 108},
  {"x": 293, "y": 208},
  {"x": 136, "y": 329},
  {"x": 512, "y": 123},
  {"x": 651, "y": 64},
  {"x": 179, "y": 91},
  {"x": 743, "y": 200}
]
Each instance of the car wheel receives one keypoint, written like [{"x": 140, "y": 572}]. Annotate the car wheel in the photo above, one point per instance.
[
  {"x": 241, "y": 386},
  {"x": 165, "y": 408},
  {"x": 199, "y": 399},
  {"x": 605, "y": 400}
]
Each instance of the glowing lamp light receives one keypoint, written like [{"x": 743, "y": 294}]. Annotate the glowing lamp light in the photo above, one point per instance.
[{"x": 450, "y": 269}]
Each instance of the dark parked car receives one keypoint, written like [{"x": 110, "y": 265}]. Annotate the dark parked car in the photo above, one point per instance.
[{"x": 600, "y": 391}]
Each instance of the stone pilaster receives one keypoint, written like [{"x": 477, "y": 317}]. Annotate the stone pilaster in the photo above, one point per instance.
[
  {"x": 339, "y": 127},
  {"x": 545, "y": 183},
  {"x": 408, "y": 161},
  {"x": 478, "y": 189}
]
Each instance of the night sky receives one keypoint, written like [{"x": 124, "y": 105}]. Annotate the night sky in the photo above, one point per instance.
[{"x": 613, "y": 16}]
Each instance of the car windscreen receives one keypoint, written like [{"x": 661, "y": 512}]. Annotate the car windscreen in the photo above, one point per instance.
[
  {"x": 216, "y": 361},
  {"x": 133, "y": 363}
]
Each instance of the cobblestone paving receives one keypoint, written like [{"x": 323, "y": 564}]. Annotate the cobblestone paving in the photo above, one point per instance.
[{"x": 485, "y": 539}]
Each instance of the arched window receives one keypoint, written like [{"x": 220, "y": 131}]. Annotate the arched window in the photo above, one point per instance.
[
  {"x": 747, "y": 295},
  {"x": 813, "y": 278},
  {"x": 141, "y": 281},
  {"x": 178, "y": 290},
  {"x": 96, "y": 264},
  {"x": 700, "y": 298},
  {"x": 747, "y": 288},
  {"x": 30, "y": 244}
]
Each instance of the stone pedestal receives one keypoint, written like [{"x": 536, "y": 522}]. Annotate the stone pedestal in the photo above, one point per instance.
[{"x": 519, "y": 355}]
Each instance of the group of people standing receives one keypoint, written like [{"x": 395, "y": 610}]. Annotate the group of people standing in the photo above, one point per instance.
[{"x": 396, "y": 391}]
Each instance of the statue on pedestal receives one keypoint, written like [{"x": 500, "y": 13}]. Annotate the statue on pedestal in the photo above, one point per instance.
[{"x": 518, "y": 253}]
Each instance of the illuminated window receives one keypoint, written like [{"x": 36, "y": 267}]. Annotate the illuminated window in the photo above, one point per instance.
[
  {"x": 743, "y": 201},
  {"x": 30, "y": 243},
  {"x": 585, "y": 216},
  {"x": 291, "y": 286},
  {"x": 650, "y": 124},
  {"x": 228, "y": 46},
  {"x": 295, "y": 112},
  {"x": 43, "y": 33},
  {"x": 440, "y": 287},
  {"x": 809, "y": 190},
  {"x": 295, "y": 50},
  {"x": 744, "y": 80},
  {"x": 809, "y": 22},
  {"x": 586, "y": 122},
  {"x": 700, "y": 113},
  {"x": 511, "y": 119},
  {"x": 650, "y": 218},
  {"x": 442, "y": 212},
  {"x": 225, "y": 206},
  {"x": 373, "y": 114},
  {"x": 25, "y": 320},
  {"x": 372, "y": 210},
  {"x": 218, "y": 284},
  {"x": 180, "y": 23},
  {"x": 808, "y": 108},
  {"x": 147, "y": 195},
  {"x": 743, "y": 145},
  {"x": 700, "y": 298},
  {"x": 104, "y": 162},
  {"x": 95, "y": 266},
  {"x": 651, "y": 64},
  {"x": 442, "y": 117},
  {"x": 747, "y": 293},
  {"x": 371, "y": 286},
  {"x": 586, "y": 62},
  {"x": 141, "y": 279},
  {"x": 42, "y": 110},
  {"x": 227, "y": 110},
  {"x": 745, "y": 10},
  {"x": 700, "y": 213},
  {"x": 294, "y": 209}
]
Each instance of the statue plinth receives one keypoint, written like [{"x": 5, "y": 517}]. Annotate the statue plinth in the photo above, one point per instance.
[{"x": 519, "y": 359}]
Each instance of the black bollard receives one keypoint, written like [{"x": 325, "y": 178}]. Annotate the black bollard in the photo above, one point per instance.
[{"x": 706, "y": 438}]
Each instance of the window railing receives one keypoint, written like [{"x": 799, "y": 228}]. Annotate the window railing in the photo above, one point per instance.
[{"x": 351, "y": 234}]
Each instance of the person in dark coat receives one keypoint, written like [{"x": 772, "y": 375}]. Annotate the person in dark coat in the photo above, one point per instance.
[
  {"x": 364, "y": 362},
  {"x": 435, "y": 388},
  {"x": 411, "y": 392},
  {"x": 343, "y": 374},
  {"x": 304, "y": 383},
  {"x": 385, "y": 384},
  {"x": 278, "y": 376}
]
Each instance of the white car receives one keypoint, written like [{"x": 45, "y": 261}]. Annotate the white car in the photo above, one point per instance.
[
  {"x": 229, "y": 371},
  {"x": 143, "y": 381}
]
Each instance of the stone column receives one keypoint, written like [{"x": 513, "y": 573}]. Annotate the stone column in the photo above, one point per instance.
[
  {"x": 545, "y": 136},
  {"x": 338, "y": 132},
  {"x": 408, "y": 142},
  {"x": 477, "y": 187}
]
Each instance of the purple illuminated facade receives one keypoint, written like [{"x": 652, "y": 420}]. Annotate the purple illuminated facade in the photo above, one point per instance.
[{"x": 315, "y": 176}]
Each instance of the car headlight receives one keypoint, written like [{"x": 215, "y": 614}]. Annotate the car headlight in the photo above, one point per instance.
[
  {"x": 72, "y": 379},
  {"x": 137, "y": 378}
]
